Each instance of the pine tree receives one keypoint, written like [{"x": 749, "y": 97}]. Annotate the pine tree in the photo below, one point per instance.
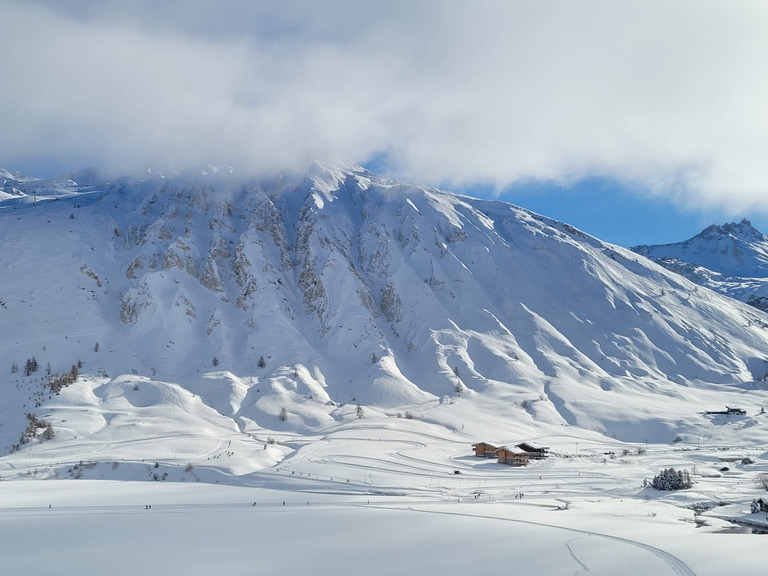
[
  {"x": 283, "y": 414},
  {"x": 359, "y": 412},
  {"x": 30, "y": 366},
  {"x": 262, "y": 363}
]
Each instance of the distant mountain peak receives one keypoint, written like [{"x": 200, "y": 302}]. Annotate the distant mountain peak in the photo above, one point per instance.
[
  {"x": 736, "y": 249},
  {"x": 739, "y": 230}
]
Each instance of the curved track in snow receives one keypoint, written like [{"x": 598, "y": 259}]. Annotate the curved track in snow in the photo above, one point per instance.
[{"x": 675, "y": 565}]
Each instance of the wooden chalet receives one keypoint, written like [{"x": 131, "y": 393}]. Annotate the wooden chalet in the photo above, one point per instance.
[
  {"x": 512, "y": 457},
  {"x": 534, "y": 452},
  {"x": 485, "y": 450}
]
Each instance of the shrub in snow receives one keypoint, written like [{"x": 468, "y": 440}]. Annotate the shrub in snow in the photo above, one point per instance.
[{"x": 671, "y": 479}]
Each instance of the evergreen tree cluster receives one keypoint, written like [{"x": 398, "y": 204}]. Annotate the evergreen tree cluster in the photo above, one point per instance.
[
  {"x": 671, "y": 479},
  {"x": 31, "y": 366}
]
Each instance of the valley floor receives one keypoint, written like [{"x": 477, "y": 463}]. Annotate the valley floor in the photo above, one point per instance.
[{"x": 374, "y": 500}]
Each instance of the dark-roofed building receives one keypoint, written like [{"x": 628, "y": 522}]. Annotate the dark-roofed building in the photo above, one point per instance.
[
  {"x": 535, "y": 452},
  {"x": 729, "y": 411}
]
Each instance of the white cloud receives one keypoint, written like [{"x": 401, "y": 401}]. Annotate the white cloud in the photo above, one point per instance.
[{"x": 667, "y": 95}]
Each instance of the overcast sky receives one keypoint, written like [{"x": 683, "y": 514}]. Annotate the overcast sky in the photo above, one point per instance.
[{"x": 666, "y": 101}]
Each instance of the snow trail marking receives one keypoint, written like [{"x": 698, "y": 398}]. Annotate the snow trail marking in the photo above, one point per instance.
[
  {"x": 573, "y": 555},
  {"x": 676, "y": 565}
]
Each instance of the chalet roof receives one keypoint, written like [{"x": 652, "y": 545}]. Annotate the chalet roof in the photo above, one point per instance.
[
  {"x": 483, "y": 444},
  {"x": 531, "y": 447},
  {"x": 511, "y": 451}
]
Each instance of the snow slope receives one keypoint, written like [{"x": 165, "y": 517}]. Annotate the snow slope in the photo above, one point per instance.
[{"x": 353, "y": 289}]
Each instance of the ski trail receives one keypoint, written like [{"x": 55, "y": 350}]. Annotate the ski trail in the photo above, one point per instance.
[
  {"x": 676, "y": 565},
  {"x": 584, "y": 567}
]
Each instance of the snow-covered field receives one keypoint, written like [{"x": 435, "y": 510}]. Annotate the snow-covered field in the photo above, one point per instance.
[
  {"x": 97, "y": 527},
  {"x": 379, "y": 498}
]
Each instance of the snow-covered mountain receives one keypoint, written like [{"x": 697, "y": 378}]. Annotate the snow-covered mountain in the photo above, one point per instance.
[
  {"x": 736, "y": 249},
  {"x": 731, "y": 259},
  {"x": 204, "y": 308}
]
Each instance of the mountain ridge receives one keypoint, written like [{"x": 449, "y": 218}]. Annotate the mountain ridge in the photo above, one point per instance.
[
  {"x": 731, "y": 259},
  {"x": 235, "y": 299}
]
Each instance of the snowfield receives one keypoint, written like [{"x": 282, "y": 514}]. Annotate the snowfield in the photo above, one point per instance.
[
  {"x": 587, "y": 517},
  {"x": 376, "y": 494},
  {"x": 292, "y": 372}
]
